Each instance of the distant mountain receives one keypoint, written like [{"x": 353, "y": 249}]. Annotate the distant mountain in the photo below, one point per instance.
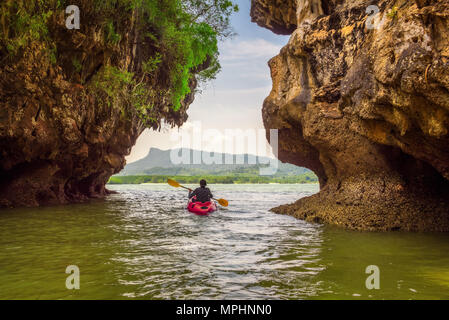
[{"x": 158, "y": 162}]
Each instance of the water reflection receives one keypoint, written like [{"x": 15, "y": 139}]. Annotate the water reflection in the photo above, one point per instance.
[{"x": 142, "y": 244}]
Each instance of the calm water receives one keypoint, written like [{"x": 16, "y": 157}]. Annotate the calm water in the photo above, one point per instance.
[{"x": 142, "y": 244}]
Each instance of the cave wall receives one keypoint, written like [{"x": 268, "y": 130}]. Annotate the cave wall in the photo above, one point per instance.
[{"x": 366, "y": 108}]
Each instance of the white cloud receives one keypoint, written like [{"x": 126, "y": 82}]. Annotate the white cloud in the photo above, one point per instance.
[
  {"x": 262, "y": 90},
  {"x": 232, "y": 50}
]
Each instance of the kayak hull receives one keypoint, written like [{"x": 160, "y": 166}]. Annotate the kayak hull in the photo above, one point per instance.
[{"x": 202, "y": 208}]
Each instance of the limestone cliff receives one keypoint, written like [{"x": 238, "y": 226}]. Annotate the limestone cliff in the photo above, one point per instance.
[
  {"x": 363, "y": 101},
  {"x": 61, "y": 134}
]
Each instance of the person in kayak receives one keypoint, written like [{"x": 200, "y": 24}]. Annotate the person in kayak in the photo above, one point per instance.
[{"x": 202, "y": 193}]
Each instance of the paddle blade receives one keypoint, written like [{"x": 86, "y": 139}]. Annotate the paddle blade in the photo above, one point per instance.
[
  {"x": 173, "y": 183},
  {"x": 223, "y": 202}
]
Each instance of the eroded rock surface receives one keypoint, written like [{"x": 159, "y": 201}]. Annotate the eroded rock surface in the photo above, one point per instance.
[
  {"x": 60, "y": 142},
  {"x": 366, "y": 108}
]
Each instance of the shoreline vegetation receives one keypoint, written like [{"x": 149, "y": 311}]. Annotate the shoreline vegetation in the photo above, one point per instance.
[{"x": 306, "y": 178}]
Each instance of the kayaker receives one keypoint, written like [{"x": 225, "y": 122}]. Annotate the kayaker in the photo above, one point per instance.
[{"x": 202, "y": 193}]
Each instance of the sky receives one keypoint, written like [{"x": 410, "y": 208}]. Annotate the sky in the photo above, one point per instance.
[{"x": 233, "y": 101}]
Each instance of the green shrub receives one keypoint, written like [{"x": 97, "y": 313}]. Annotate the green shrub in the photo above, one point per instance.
[
  {"x": 115, "y": 87},
  {"x": 111, "y": 82},
  {"x": 393, "y": 13},
  {"x": 23, "y": 27},
  {"x": 112, "y": 37},
  {"x": 77, "y": 64},
  {"x": 151, "y": 65}
]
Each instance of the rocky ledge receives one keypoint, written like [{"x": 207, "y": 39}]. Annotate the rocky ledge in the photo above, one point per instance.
[{"x": 363, "y": 100}]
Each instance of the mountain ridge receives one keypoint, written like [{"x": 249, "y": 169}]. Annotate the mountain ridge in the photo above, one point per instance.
[{"x": 159, "y": 162}]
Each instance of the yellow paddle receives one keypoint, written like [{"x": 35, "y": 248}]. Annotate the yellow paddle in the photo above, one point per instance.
[{"x": 176, "y": 184}]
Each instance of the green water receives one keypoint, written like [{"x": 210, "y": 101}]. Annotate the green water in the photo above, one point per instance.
[{"x": 142, "y": 244}]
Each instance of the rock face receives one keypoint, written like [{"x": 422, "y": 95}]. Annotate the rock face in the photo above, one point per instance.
[
  {"x": 59, "y": 142},
  {"x": 363, "y": 100}
]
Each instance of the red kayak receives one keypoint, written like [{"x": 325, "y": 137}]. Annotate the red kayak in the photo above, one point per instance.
[{"x": 202, "y": 208}]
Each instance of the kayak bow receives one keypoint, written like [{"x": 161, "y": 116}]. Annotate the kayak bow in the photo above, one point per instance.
[{"x": 202, "y": 208}]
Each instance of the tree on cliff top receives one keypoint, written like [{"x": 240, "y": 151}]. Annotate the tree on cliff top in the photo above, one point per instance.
[
  {"x": 189, "y": 30},
  {"x": 215, "y": 13}
]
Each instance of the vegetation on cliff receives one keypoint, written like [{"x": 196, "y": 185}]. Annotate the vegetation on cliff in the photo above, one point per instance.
[{"x": 173, "y": 41}]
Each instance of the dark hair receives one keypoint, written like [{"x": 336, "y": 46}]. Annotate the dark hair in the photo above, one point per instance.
[{"x": 203, "y": 183}]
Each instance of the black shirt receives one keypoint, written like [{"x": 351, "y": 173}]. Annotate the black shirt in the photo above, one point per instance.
[{"x": 202, "y": 194}]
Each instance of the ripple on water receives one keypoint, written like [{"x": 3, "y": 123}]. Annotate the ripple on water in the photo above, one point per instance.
[{"x": 143, "y": 244}]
